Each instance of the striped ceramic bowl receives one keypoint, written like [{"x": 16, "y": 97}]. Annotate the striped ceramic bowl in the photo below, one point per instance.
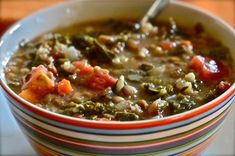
[{"x": 54, "y": 134}]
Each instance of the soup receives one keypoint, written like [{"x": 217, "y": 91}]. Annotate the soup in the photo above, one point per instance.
[{"x": 121, "y": 70}]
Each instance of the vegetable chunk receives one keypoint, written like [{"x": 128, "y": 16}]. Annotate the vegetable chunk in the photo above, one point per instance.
[
  {"x": 208, "y": 69},
  {"x": 64, "y": 87},
  {"x": 100, "y": 80},
  {"x": 41, "y": 81},
  {"x": 29, "y": 95}
]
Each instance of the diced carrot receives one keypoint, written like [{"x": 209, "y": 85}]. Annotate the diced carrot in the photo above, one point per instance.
[
  {"x": 41, "y": 81},
  {"x": 64, "y": 87},
  {"x": 29, "y": 95},
  {"x": 83, "y": 68}
]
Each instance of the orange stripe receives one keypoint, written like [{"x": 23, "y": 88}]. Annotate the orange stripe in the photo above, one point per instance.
[
  {"x": 43, "y": 150},
  {"x": 196, "y": 151},
  {"x": 120, "y": 125},
  {"x": 123, "y": 147}
]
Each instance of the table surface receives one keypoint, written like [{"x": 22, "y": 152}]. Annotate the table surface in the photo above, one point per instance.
[{"x": 13, "y": 142}]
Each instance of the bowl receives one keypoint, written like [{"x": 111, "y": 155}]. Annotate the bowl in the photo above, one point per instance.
[{"x": 187, "y": 133}]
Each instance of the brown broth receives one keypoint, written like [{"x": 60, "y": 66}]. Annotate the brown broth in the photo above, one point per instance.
[{"x": 155, "y": 60}]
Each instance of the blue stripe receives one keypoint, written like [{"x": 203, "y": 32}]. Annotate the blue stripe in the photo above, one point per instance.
[
  {"x": 136, "y": 151},
  {"x": 122, "y": 132}
]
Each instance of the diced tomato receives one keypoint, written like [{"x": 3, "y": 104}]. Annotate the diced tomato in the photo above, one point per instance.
[
  {"x": 64, "y": 87},
  {"x": 41, "y": 81},
  {"x": 166, "y": 45},
  {"x": 30, "y": 95},
  {"x": 100, "y": 80},
  {"x": 208, "y": 69},
  {"x": 83, "y": 68},
  {"x": 97, "y": 80},
  {"x": 86, "y": 70}
]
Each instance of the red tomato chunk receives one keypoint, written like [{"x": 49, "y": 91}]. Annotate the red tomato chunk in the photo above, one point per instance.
[
  {"x": 100, "y": 80},
  {"x": 208, "y": 68},
  {"x": 83, "y": 68}
]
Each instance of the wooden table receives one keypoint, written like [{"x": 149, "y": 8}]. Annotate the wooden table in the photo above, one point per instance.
[{"x": 13, "y": 10}]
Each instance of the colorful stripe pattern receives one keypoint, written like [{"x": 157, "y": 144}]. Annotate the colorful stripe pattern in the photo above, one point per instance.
[{"x": 183, "y": 136}]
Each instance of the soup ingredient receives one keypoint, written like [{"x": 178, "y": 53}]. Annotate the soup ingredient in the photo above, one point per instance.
[
  {"x": 64, "y": 87},
  {"x": 100, "y": 80},
  {"x": 208, "y": 68},
  {"x": 82, "y": 67},
  {"x": 29, "y": 95},
  {"x": 40, "y": 83}
]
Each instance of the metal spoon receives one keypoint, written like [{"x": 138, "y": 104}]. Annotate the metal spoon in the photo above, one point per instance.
[{"x": 154, "y": 10}]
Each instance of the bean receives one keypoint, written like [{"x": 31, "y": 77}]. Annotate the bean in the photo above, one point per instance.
[
  {"x": 119, "y": 85},
  {"x": 129, "y": 90},
  {"x": 156, "y": 50},
  {"x": 190, "y": 77},
  {"x": 143, "y": 53},
  {"x": 106, "y": 39},
  {"x": 133, "y": 45},
  {"x": 117, "y": 99},
  {"x": 184, "y": 86},
  {"x": 152, "y": 109},
  {"x": 143, "y": 104}
]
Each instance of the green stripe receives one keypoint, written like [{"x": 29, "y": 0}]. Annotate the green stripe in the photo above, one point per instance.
[
  {"x": 73, "y": 152},
  {"x": 129, "y": 143}
]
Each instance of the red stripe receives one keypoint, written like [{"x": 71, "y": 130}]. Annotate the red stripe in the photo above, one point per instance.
[
  {"x": 120, "y": 125},
  {"x": 42, "y": 150},
  {"x": 198, "y": 150},
  {"x": 179, "y": 138}
]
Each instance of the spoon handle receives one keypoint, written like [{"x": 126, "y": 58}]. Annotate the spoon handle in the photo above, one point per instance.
[{"x": 154, "y": 10}]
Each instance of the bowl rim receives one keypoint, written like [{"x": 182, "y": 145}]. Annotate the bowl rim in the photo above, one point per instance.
[{"x": 117, "y": 124}]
